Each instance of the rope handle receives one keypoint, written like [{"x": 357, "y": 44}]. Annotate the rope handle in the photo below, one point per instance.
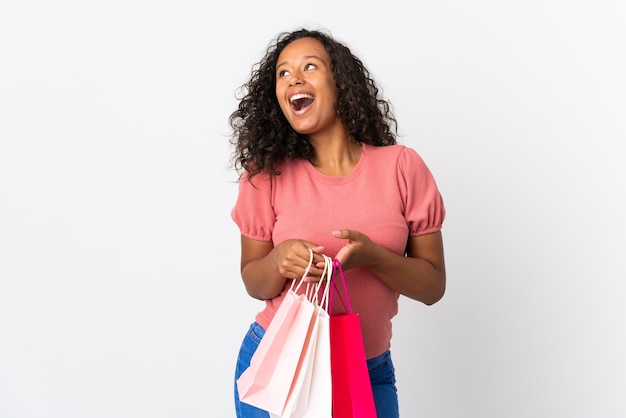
[
  {"x": 306, "y": 271},
  {"x": 312, "y": 291},
  {"x": 324, "y": 285},
  {"x": 344, "y": 302}
]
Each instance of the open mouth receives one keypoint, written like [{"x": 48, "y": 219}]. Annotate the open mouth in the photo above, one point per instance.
[{"x": 301, "y": 101}]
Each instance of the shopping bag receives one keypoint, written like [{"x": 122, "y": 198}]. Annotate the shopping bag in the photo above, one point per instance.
[
  {"x": 351, "y": 386},
  {"x": 311, "y": 395},
  {"x": 267, "y": 383},
  {"x": 320, "y": 391}
]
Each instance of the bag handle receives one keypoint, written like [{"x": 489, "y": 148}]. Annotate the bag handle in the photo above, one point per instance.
[
  {"x": 348, "y": 307},
  {"x": 313, "y": 293},
  {"x": 325, "y": 280},
  {"x": 306, "y": 271}
]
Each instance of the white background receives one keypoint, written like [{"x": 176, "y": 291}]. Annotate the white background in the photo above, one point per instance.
[{"x": 120, "y": 293}]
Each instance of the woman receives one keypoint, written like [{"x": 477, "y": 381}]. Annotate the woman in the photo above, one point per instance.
[{"x": 321, "y": 170}]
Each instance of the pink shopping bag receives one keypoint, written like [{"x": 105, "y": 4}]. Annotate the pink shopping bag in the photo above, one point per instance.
[
  {"x": 311, "y": 395},
  {"x": 351, "y": 387},
  {"x": 268, "y": 382}
]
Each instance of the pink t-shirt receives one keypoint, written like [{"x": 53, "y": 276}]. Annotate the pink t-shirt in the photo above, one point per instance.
[{"x": 389, "y": 196}]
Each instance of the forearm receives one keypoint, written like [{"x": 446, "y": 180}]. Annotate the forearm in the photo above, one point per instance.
[
  {"x": 420, "y": 275},
  {"x": 413, "y": 277},
  {"x": 265, "y": 268},
  {"x": 262, "y": 278}
]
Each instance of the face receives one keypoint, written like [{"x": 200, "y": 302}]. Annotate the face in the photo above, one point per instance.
[{"x": 305, "y": 87}]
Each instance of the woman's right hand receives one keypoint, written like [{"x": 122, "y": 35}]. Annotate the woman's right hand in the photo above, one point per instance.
[
  {"x": 265, "y": 267},
  {"x": 293, "y": 258}
]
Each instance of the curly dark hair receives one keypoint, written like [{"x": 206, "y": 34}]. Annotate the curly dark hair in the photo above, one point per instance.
[{"x": 262, "y": 135}]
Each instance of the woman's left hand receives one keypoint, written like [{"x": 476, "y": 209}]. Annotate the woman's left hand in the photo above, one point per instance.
[
  {"x": 419, "y": 274},
  {"x": 355, "y": 252}
]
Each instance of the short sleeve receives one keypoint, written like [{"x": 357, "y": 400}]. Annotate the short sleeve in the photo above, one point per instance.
[
  {"x": 424, "y": 208},
  {"x": 253, "y": 211}
]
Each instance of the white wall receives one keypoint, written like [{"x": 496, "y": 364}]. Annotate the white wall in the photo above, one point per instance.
[{"x": 119, "y": 287}]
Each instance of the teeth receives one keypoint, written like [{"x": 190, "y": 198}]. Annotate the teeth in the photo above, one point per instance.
[{"x": 300, "y": 96}]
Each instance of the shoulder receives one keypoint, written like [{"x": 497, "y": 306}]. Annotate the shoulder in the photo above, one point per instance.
[
  {"x": 405, "y": 162},
  {"x": 260, "y": 180},
  {"x": 287, "y": 167},
  {"x": 397, "y": 154},
  {"x": 383, "y": 151}
]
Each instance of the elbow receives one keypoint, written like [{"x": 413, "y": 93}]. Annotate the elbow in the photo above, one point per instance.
[
  {"x": 433, "y": 300},
  {"x": 262, "y": 291},
  {"x": 257, "y": 293},
  {"x": 437, "y": 293}
]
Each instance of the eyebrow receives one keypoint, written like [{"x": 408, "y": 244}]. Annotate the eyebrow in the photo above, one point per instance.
[{"x": 305, "y": 57}]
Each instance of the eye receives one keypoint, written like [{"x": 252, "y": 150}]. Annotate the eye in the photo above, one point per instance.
[
  {"x": 310, "y": 67},
  {"x": 283, "y": 73}
]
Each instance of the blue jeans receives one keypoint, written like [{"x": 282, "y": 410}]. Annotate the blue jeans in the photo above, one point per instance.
[
  {"x": 383, "y": 378},
  {"x": 381, "y": 371}
]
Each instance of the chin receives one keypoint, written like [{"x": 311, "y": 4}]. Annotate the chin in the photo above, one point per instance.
[{"x": 303, "y": 131}]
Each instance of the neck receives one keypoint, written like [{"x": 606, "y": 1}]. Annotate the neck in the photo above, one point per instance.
[{"x": 335, "y": 156}]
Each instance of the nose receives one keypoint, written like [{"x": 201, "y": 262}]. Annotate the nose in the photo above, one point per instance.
[{"x": 295, "y": 80}]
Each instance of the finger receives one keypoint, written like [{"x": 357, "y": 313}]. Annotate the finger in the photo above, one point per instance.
[
  {"x": 344, "y": 234},
  {"x": 317, "y": 249},
  {"x": 301, "y": 272},
  {"x": 318, "y": 255}
]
